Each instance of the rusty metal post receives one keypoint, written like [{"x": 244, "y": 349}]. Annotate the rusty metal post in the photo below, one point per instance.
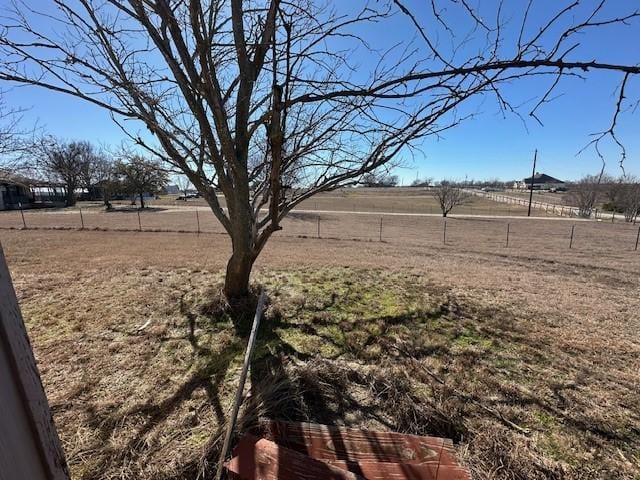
[
  {"x": 243, "y": 377},
  {"x": 571, "y": 239}
]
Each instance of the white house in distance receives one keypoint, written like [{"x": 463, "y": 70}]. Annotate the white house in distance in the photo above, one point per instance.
[{"x": 541, "y": 181}]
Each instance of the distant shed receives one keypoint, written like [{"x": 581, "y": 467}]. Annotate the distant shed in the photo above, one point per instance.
[{"x": 18, "y": 191}]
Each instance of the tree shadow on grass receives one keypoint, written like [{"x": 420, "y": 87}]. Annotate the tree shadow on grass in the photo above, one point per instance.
[{"x": 363, "y": 384}]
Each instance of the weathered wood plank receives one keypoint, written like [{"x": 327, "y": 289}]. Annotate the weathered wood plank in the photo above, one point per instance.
[
  {"x": 261, "y": 459},
  {"x": 352, "y": 445},
  {"x": 29, "y": 444}
]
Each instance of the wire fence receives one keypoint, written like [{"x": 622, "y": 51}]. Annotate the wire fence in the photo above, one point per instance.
[{"x": 397, "y": 228}]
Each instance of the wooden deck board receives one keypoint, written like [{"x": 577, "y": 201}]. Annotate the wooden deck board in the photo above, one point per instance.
[
  {"x": 261, "y": 459},
  {"x": 340, "y": 443},
  {"x": 310, "y": 451}
]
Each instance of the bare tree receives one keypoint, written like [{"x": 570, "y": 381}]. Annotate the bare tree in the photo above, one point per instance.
[
  {"x": 184, "y": 185},
  {"x": 247, "y": 96},
  {"x": 611, "y": 188},
  {"x": 449, "y": 196},
  {"x": 140, "y": 175},
  {"x": 629, "y": 199},
  {"x": 104, "y": 179},
  {"x": 65, "y": 162},
  {"x": 13, "y": 139},
  {"x": 584, "y": 194}
]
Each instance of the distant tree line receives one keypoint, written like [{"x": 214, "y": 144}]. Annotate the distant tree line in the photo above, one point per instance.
[
  {"x": 374, "y": 179},
  {"x": 82, "y": 168},
  {"x": 621, "y": 195}
]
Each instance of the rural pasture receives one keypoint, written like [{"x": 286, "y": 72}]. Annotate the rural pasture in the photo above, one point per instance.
[
  {"x": 140, "y": 363},
  {"x": 387, "y": 200},
  {"x": 408, "y": 216}
]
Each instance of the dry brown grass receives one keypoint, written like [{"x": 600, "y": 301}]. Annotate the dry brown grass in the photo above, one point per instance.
[
  {"x": 383, "y": 200},
  {"x": 463, "y": 232},
  {"x": 545, "y": 335}
]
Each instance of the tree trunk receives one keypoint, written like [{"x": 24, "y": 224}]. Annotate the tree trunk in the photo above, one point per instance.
[
  {"x": 141, "y": 200},
  {"x": 70, "y": 198},
  {"x": 444, "y": 214},
  {"x": 236, "y": 281}
]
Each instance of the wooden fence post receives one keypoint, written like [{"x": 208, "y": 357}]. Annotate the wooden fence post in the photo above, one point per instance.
[
  {"x": 139, "y": 222},
  {"x": 637, "y": 239},
  {"x": 29, "y": 444},
  {"x": 198, "y": 221},
  {"x": 380, "y": 228},
  {"x": 81, "y": 218},
  {"x": 508, "y": 227},
  {"x": 318, "y": 226},
  {"x": 444, "y": 233}
]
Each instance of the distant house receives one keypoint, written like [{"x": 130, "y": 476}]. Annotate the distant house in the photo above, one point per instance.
[
  {"x": 541, "y": 181},
  {"x": 172, "y": 189},
  {"x": 17, "y": 191}
]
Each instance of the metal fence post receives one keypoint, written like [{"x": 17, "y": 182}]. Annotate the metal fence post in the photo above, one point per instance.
[
  {"x": 380, "y": 228},
  {"x": 444, "y": 233},
  {"x": 637, "y": 239},
  {"x": 81, "y": 218},
  {"x": 508, "y": 228},
  {"x": 139, "y": 222},
  {"x": 318, "y": 226},
  {"x": 198, "y": 220},
  {"x": 571, "y": 239},
  {"x": 24, "y": 223}
]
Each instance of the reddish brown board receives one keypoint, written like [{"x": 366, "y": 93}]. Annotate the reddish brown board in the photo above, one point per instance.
[
  {"x": 260, "y": 459},
  {"x": 352, "y": 445}
]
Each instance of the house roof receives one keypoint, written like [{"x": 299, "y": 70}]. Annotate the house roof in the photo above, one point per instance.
[
  {"x": 542, "y": 178},
  {"x": 10, "y": 178}
]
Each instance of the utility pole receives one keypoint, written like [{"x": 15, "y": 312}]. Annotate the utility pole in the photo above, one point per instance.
[{"x": 533, "y": 174}]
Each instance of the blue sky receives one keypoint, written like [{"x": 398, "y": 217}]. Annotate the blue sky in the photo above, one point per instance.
[{"x": 487, "y": 146}]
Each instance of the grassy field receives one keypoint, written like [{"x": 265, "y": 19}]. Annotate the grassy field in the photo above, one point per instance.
[
  {"x": 385, "y": 200},
  {"x": 410, "y": 229},
  {"x": 140, "y": 364}
]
